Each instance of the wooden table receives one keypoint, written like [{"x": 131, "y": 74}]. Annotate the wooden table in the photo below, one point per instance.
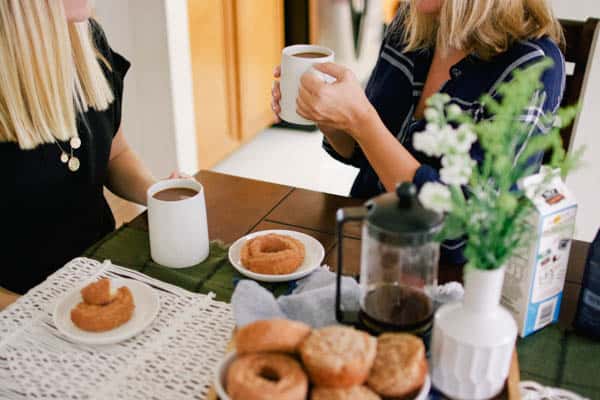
[{"x": 237, "y": 206}]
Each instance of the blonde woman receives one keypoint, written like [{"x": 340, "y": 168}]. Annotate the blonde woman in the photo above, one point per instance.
[
  {"x": 61, "y": 88},
  {"x": 463, "y": 48}
]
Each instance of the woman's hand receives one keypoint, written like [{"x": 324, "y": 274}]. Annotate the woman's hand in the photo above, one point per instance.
[
  {"x": 341, "y": 105},
  {"x": 276, "y": 93},
  {"x": 179, "y": 175}
]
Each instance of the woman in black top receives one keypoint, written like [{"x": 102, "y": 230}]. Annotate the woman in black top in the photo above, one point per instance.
[{"x": 60, "y": 139}]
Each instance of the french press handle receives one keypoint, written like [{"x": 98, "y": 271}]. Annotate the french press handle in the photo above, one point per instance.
[{"x": 343, "y": 216}]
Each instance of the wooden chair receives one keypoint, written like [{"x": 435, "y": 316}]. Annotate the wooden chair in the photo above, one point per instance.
[{"x": 579, "y": 36}]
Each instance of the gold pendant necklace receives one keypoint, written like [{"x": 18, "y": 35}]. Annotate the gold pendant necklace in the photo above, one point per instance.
[{"x": 72, "y": 162}]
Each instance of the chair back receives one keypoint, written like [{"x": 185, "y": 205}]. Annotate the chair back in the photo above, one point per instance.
[{"x": 579, "y": 36}]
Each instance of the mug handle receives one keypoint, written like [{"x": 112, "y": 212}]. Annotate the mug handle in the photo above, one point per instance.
[
  {"x": 323, "y": 76},
  {"x": 343, "y": 216}
]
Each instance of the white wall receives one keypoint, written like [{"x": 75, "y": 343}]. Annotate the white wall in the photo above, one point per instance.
[
  {"x": 158, "y": 115},
  {"x": 585, "y": 182}
]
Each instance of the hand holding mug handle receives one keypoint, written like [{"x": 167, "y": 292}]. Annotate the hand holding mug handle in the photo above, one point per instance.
[{"x": 321, "y": 75}]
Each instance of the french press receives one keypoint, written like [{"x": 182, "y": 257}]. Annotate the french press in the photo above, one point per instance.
[{"x": 398, "y": 264}]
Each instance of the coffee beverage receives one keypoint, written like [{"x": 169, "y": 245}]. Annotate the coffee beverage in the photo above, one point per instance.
[
  {"x": 310, "y": 54},
  {"x": 175, "y": 194},
  {"x": 396, "y": 308}
]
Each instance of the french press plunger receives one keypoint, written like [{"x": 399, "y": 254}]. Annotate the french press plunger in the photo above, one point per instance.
[{"x": 398, "y": 265}]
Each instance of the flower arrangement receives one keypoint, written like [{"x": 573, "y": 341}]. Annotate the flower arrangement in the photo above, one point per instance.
[{"x": 484, "y": 201}]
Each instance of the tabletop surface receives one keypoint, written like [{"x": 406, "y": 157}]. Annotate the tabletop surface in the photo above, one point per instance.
[{"x": 237, "y": 206}]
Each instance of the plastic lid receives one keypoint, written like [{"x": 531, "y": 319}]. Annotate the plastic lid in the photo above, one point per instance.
[{"x": 401, "y": 217}]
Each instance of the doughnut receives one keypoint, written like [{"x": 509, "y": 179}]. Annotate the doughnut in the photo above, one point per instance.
[
  {"x": 275, "y": 335},
  {"x": 97, "y": 293},
  {"x": 272, "y": 254},
  {"x": 338, "y": 356},
  {"x": 400, "y": 367},
  {"x": 96, "y": 318},
  {"x": 264, "y": 376},
  {"x": 352, "y": 393}
]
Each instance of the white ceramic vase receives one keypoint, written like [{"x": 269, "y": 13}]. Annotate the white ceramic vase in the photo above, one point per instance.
[{"x": 473, "y": 340}]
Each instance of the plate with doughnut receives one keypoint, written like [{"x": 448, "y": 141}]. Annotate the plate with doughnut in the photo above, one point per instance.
[
  {"x": 106, "y": 311},
  {"x": 282, "y": 359},
  {"x": 276, "y": 255}
]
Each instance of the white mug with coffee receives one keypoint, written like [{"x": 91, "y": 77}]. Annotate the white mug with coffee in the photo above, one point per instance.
[
  {"x": 295, "y": 61},
  {"x": 177, "y": 223}
]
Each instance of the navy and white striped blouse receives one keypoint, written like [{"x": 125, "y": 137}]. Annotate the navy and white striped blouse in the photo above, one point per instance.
[{"x": 397, "y": 81}]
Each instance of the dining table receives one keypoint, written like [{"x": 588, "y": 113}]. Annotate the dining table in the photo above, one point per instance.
[{"x": 556, "y": 356}]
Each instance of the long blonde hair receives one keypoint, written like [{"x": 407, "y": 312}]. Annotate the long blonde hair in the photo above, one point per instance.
[
  {"x": 49, "y": 73},
  {"x": 485, "y": 27}
]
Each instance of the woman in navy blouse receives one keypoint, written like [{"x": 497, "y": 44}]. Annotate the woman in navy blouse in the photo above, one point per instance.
[{"x": 464, "y": 48}]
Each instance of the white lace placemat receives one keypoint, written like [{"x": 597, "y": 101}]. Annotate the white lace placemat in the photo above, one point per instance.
[{"x": 174, "y": 358}]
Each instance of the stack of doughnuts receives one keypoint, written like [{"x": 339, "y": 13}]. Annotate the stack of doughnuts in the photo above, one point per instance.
[
  {"x": 101, "y": 309},
  {"x": 272, "y": 254},
  {"x": 282, "y": 359}
]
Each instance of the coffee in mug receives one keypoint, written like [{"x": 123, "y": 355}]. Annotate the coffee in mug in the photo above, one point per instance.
[
  {"x": 175, "y": 194},
  {"x": 310, "y": 54},
  {"x": 177, "y": 223},
  {"x": 295, "y": 61}
]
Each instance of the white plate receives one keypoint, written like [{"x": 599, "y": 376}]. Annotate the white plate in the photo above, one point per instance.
[
  {"x": 221, "y": 375},
  {"x": 146, "y": 308},
  {"x": 314, "y": 254}
]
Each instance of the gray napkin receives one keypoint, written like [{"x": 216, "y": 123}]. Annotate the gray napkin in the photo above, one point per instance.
[{"x": 312, "y": 301}]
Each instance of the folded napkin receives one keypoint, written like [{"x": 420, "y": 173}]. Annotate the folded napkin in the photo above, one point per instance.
[{"x": 312, "y": 301}]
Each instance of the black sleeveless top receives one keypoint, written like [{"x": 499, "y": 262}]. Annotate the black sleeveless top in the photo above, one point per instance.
[{"x": 48, "y": 214}]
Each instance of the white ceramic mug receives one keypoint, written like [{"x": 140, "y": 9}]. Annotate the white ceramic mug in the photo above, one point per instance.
[
  {"x": 178, "y": 229},
  {"x": 292, "y": 68}
]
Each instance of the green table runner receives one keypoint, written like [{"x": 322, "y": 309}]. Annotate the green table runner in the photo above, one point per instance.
[
  {"x": 551, "y": 357},
  {"x": 129, "y": 247}
]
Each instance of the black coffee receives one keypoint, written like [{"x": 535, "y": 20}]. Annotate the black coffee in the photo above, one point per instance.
[
  {"x": 175, "y": 194},
  {"x": 310, "y": 54},
  {"x": 396, "y": 308}
]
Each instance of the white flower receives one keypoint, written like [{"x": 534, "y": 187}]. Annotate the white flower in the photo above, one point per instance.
[
  {"x": 453, "y": 111},
  {"x": 465, "y": 137},
  {"x": 436, "y": 197},
  {"x": 428, "y": 143},
  {"x": 431, "y": 114},
  {"x": 457, "y": 169}
]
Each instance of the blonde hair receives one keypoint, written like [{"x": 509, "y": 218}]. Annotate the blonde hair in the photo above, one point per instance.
[
  {"x": 49, "y": 73},
  {"x": 485, "y": 27}
]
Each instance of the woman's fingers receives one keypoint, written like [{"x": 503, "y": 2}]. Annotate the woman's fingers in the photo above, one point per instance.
[
  {"x": 276, "y": 91},
  {"x": 277, "y": 71},
  {"x": 178, "y": 175},
  {"x": 304, "y": 109}
]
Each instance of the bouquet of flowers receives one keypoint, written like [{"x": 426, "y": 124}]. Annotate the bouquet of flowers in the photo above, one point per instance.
[{"x": 484, "y": 201}]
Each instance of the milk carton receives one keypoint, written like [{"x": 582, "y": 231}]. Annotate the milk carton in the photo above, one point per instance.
[{"x": 535, "y": 275}]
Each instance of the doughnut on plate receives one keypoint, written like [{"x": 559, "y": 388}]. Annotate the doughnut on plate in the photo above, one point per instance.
[
  {"x": 146, "y": 308},
  {"x": 314, "y": 254},
  {"x": 221, "y": 375}
]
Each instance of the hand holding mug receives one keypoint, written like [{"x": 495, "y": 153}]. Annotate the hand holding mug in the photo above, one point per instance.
[{"x": 342, "y": 105}]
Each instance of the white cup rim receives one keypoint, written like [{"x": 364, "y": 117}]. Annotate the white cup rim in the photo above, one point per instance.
[
  {"x": 291, "y": 51},
  {"x": 188, "y": 183}
]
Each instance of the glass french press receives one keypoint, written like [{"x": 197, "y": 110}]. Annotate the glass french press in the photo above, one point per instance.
[{"x": 398, "y": 265}]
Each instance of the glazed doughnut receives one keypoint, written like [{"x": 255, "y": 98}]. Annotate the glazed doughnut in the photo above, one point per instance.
[
  {"x": 272, "y": 254},
  {"x": 97, "y": 293},
  {"x": 264, "y": 376},
  {"x": 338, "y": 356},
  {"x": 352, "y": 393},
  {"x": 275, "y": 335},
  {"x": 95, "y": 318},
  {"x": 400, "y": 367}
]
